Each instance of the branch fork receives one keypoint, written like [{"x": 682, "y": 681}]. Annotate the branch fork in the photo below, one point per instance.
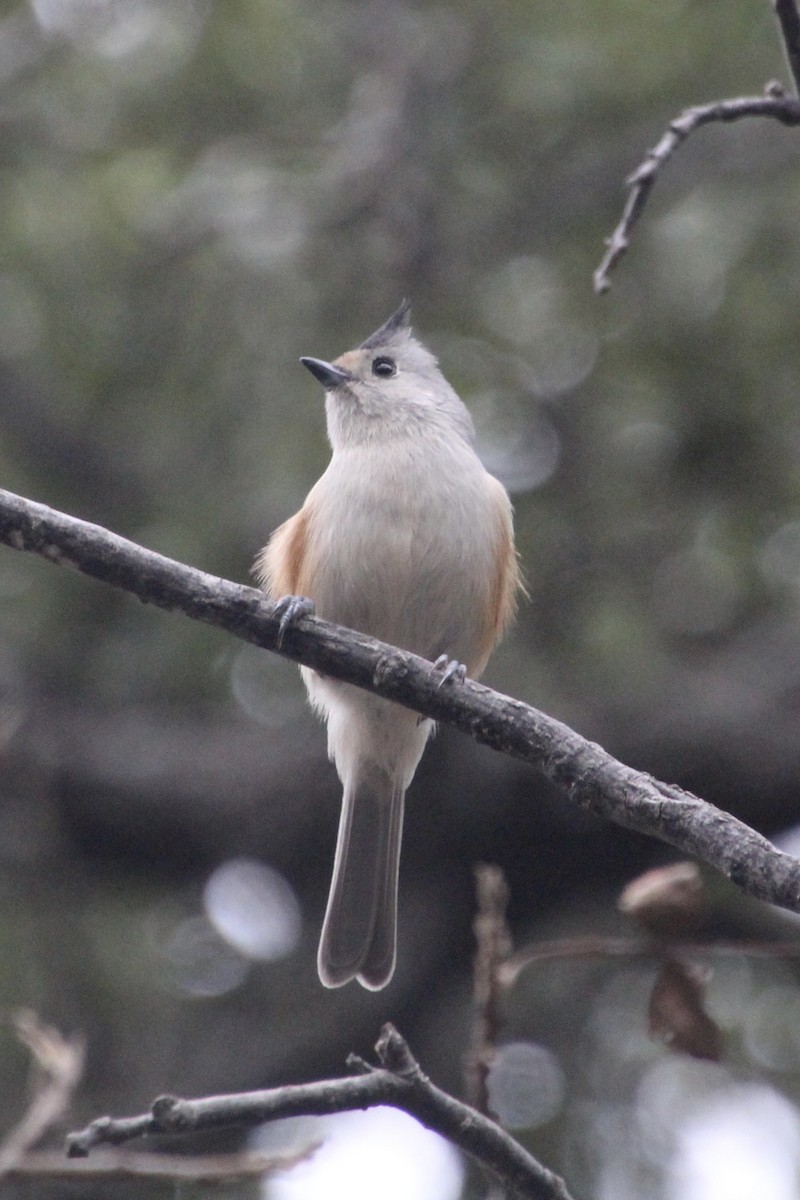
[
  {"x": 398, "y": 1081},
  {"x": 776, "y": 103}
]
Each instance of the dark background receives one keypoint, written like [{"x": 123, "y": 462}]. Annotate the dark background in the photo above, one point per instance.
[{"x": 192, "y": 196}]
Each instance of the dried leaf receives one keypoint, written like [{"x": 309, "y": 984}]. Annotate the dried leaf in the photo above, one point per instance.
[
  {"x": 667, "y": 901},
  {"x": 676, "y": 1013}
]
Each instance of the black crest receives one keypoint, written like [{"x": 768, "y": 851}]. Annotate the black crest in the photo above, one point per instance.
[{"x": 397, "y": 321}]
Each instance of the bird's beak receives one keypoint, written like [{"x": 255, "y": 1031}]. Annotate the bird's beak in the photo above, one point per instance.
[{"x": 329, "y": 376}]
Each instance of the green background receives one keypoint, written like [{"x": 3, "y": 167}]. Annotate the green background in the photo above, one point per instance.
[{"x": 192, "y": 195}]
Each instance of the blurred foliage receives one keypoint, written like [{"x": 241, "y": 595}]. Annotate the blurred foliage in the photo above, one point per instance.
[{"x": 192, "y": 195}]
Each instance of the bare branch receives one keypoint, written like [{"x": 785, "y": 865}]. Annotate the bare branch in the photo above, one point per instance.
[
  {"x": 776, "y": 104},
  {"x": 789, "y": 22},
  {"x": 493, "y": 948},
  {"x": 595, "y": 945},
  {"x": 115, "y": 1165},
  {"x": 59, "y": 1063},
  {"x": 581, "y": 770},
  {"x": 399, "y": 1081}
]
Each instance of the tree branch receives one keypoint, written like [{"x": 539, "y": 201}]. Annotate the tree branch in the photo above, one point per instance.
[
  {"x": 776, "y": 104},
  {"x": 399, "y": 1081},
  {"x": 59, "y": 1062},
  {"x": 789, "y": 22},
  {"x": 581, "y": 770},
  {"x": 493, "y": 948},
  {"x": 601, "y": 946},
  {"x": 113, "y": 1166}
]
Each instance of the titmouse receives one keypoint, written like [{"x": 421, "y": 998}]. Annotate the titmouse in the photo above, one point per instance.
[{"x": 408, "y": 538}]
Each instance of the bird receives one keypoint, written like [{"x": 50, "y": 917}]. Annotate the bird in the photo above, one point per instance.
[{"x": 408, "y": 538}]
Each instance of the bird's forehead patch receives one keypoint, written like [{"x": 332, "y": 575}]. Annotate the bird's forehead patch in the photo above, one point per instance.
[{"x": 350, "y": 361}]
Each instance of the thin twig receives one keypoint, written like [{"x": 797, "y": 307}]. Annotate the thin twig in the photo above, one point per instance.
[
  {"x": 399, "y": 1082},
  {"x": 582, "y": 771},
  {"x": 789, "y": 22},
  {"x": 493, "y": 947},
  {"x": 59, "y": 1064},
  {"x": 776, "y": 104},
  {"x": 115, "y": 1165},
  {"x": 599, "y": 946}
]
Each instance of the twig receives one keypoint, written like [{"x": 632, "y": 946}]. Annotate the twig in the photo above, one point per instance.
[
  {"x": 493, "y": 947},
  {"x": 399, "y": 1082},
  {"x": 60, "y": 1065},
  {"x": 113, "y": 1165},
  {"x": 599, "y": 946},
  {"x": 581, "y": 770},
  {"x": 789, "y": 22},
  {"x": 776, "y": 104}
]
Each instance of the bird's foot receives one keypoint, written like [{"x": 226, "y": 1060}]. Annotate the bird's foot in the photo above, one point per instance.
[
  {"x": 291, "y": 609},
  {"x": 450, "y": 669}
]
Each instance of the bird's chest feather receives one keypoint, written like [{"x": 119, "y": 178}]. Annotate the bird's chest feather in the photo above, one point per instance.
[{"x": 408, "y": 550}]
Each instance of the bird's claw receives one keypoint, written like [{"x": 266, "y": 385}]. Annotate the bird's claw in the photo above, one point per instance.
[
  {"x": 291, "y": 609},
  {"x": 450, "y": 670}
]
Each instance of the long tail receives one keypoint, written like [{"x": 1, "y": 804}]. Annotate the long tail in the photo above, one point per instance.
[{"x": 359, "y": 932}]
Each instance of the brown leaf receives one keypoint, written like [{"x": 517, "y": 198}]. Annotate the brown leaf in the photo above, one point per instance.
[
  {"x": 676, "y": 1014},
  {"x": 667, "y": 901}
]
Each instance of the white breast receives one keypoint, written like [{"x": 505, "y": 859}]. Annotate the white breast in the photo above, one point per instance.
[{"x": 405, "y": 544}]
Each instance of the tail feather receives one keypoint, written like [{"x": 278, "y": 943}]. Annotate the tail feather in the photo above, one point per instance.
[{"x": 359, "y": 932}]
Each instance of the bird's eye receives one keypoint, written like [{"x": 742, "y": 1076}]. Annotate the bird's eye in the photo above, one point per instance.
[{"x": 384, "y": 367}]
